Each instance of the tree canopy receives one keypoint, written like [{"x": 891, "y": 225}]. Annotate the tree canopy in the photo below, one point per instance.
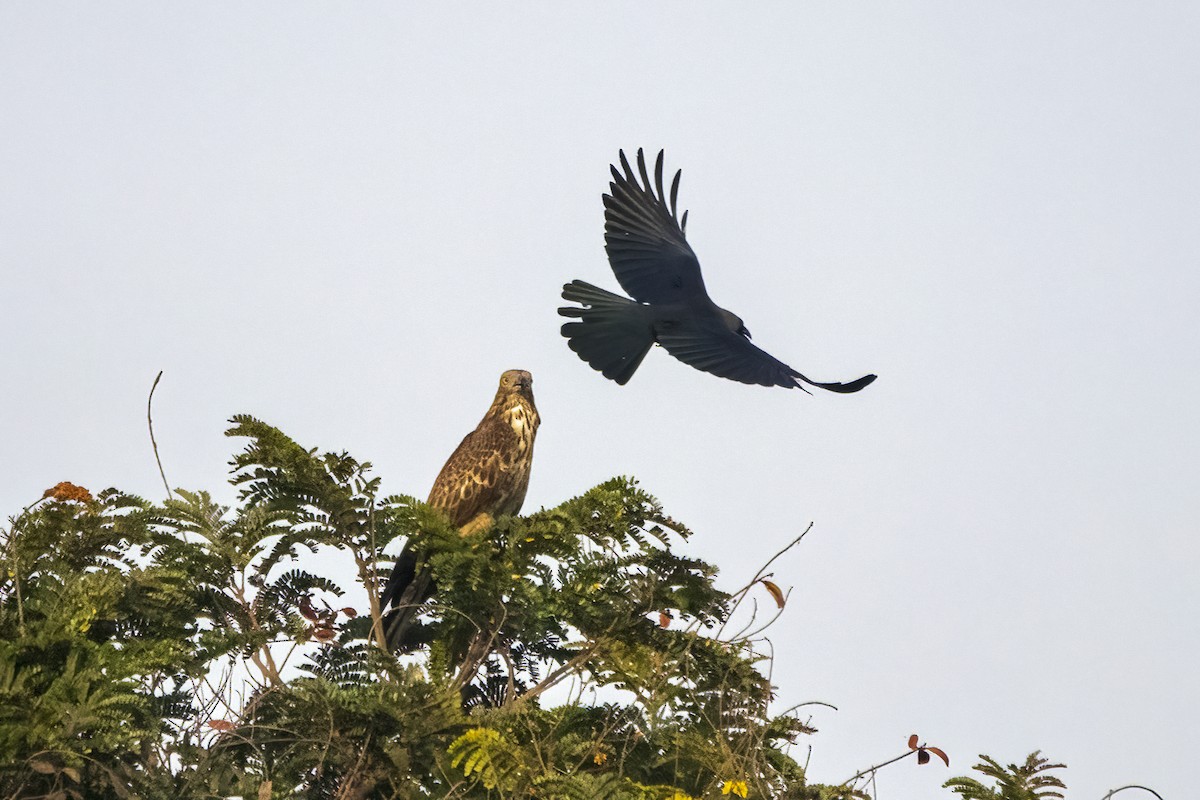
[{"x": 180, "y": 649}]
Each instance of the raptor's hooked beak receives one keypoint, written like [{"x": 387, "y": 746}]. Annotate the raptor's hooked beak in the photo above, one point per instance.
[{"x": 744, "y": 332}]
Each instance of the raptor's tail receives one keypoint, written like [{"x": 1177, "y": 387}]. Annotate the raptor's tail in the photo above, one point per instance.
[
  {"x": 407, "y": 590},
  {"x": 613, "y": 333}
]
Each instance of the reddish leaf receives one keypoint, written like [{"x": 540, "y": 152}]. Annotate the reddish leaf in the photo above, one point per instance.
[
  {"x": 776, "y": 592},
  {"x": 912, "y": 742},
  {"x": 937, "y": 751},
  {"x": 922, "y": 756},
  {"x": 221, "y": 725},
  {"x": 349, "y": 612},
  {"x": 664, "y": 619},
  {"x": 323, "y": 634},
  {"x": 306, "y": 609}
]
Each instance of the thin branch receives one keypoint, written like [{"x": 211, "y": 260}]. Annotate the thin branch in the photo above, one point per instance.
[
  {"x": 153, "y": 443},
  {"x": 1133, "y": 786},
  {"x": 740, "y": 595},
  {"x": 870, "y": 770},
  {"x": 557, "y": 675},
  {"x": 512, "y": 676},
  {"x": 807, "y": 703},
  {"x": 9, "y": 545}
]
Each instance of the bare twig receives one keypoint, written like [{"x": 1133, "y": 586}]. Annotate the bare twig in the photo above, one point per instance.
[
  {"x": 563, "y": 671},
  {"x": 512, "y": 672},
  {"x": 1132, "y": 786},
  {"x": 479, "y": 649},
  {"x": 740, "y": 595},
  {"x": 9, "y": 544},
  {"x": 153, "y": 443},
  {"x": 871, "y": 770},
  {"x": 366, "y": 574},
  {"x": 807, "y": 703}
]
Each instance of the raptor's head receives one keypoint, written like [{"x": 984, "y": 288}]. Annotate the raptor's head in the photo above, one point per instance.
[{"x": 516, "y": 381}]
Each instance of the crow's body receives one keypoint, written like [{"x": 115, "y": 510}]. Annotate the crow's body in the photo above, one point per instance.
[
  {"x": 485, "y": 478},
  {"x": 653, "y": 262}
]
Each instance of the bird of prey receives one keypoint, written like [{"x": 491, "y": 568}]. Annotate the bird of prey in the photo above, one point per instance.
[
  {"x": 485, "y": 478},
  {"x": 644, "y": 238}
]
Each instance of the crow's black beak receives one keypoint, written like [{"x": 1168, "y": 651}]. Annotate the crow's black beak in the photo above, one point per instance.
[{"x": 744, "y": 332}]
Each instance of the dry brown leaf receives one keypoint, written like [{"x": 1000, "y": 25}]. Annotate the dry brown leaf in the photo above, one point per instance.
[
  {"x": 937, "y": 751},
  {"x": 306, "y": 609},
  {"x": 775, "y": 591}
]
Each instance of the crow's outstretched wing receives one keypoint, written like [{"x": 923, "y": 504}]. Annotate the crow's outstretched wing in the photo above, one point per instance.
[
  {"x": 644, "y": 237},
  {"x": 714, "y": 348}
]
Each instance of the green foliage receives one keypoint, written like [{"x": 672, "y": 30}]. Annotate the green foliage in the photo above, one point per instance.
[
  {"x": 181, "y": 650},
  {"x": 1028, "y": 781}
]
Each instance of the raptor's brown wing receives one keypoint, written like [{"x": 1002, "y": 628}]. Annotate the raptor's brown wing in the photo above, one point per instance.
[{"x": 479, "y": 476}]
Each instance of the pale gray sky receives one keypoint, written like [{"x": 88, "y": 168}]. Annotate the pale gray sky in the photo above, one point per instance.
[{"x": 348, "y": 220}]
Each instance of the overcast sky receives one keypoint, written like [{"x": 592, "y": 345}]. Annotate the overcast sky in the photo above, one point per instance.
[{"x": 349, "y": 219}]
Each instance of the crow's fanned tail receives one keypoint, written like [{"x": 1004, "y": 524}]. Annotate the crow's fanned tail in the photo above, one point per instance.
[{"x": 613, "y": 333}]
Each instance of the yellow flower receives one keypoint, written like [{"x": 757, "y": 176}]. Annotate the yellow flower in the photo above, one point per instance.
[
  {"x": 735, "y": 787},
  {"x": 600, "y": 758}
]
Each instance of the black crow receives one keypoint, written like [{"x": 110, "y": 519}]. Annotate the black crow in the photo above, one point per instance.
[{"x": 655, "y": 265}]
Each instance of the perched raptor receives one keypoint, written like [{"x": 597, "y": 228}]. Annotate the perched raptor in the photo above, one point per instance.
[
  {"x": 653, "y": 262},
  {"x": 485, "y": 478}
]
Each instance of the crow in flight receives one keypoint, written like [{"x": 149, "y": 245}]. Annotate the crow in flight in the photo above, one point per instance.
[
  {"x": 653, "y": 262},
  {"x": 486, "y": 477}
]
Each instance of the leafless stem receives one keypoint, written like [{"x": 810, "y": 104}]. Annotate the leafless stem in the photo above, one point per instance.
[
  {"x": 16, "y": 566},
  {"x": 1132, "y": 786},
  {"x": 479, "y": 649},
  {"x": 369, "y": 581},
  {"x": 512, "y": 672},
  {"x": 740, "y": 595},
  {"x": 153, "y": 443},
  {"x": 871, "y": 770},
  {"x": 807, "y": 703},
  {"x": 557, "y": 675}
]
